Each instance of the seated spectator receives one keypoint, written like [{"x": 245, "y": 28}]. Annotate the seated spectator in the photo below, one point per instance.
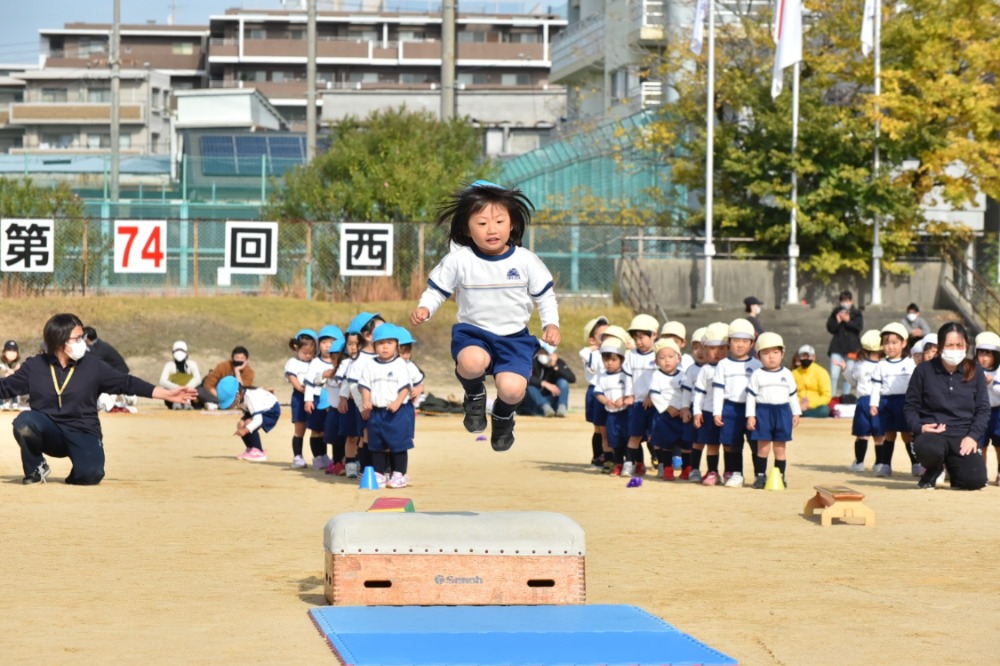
[
  {"x": 548, "y": 386},
  {"x": 915, "y": 325},
  {"x": 238, "y": 366},
  {"x": 110, "y": 355},
  {"x": 813, "y": 383},
  {"x": 179, "y": 372},
  {"x": 9, "y": 363}
]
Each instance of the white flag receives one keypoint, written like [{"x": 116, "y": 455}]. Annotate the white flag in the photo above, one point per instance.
[
  {"x": 868, "y": 28},
  {"x": 787, "y": 39},
  {"x": 698, "y": 29}
]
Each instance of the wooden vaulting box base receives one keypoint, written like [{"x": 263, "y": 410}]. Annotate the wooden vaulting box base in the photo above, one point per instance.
[{"x": 499, "y": 558}]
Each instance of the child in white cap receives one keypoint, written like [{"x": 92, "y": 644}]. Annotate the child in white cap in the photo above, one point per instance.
[
  {"x": 611, "y": 389},
  {"x": 666, "y": 391},
  {"x": 889, "y": 383},
  {"x": 730, "y": 397},
  {"x": 707, "y": 436},
  {"x": 690, "y": 461},
  {"x": 676, "y": 331},
  {"x": 772, "y": 408},
  {"x": 640, "y": 363},
  {"x": 865, "y": 425},
  {"x": 590, "y": 356}
]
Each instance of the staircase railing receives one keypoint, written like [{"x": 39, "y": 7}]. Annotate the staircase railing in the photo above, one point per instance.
[
  {"x": 634, "y": 288},
  {"x": 971, "y": 293}
]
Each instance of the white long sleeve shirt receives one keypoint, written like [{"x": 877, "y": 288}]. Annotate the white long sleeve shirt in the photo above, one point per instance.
[
  {"x": 640, "y": 366},
  {"x": 497, "y": 293},
  {"x": 667, "y": 390},
  {"x": 592, "y": 364},
  {"x": 315, "y": 383},
  {"x": 730, "y": 381},
  {"x": 255, "y": 402},
  {"x": 690, "y": 377},
  {"x": 340, "y": 378},
  {"x": 891, "y": 377},
  {"x": 772, "y": 387},
  {"x": 862, "y": 374},
  {"x": 170, "y": 368}
]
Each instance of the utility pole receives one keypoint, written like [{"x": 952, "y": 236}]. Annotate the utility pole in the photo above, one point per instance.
[
  {"x": 115, "y": 101},
  {"x": 311, "y": 82},
  {"x": 448, "y": 10}
]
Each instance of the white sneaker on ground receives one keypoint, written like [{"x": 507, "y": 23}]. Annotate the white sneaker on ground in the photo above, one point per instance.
[
  {"x": 351, "y": 470},
  {"x": 298, "y": 462},
  {"x": 211, "y": 406},
  {"x": 628, "y": 468},
  {"x": 856, "y": 467},
  {"x": 941, "y": 481},
  {"x": 695, "y": 476},
  {"x": 321, "y": 462},
  {"x": 884, "y": 471},
  {"x": 735, "y": 480},
  {"x": 396, "y": 481}
]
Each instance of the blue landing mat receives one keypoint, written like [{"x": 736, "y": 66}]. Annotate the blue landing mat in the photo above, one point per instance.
[{"x": 601, "y": 635}]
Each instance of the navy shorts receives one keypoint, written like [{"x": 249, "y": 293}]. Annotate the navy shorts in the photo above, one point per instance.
[
  {"x": 667, "y": 431},
  {"x": 270, "y": 417},
  {"x": 317, "y": 420},
  {"x": 708, "y": 433},
  {"x": 890, "y": 414},
  {"x": 600, "y": 415},
  {"x": 391, "y": 431},
  {"x": 864, "y": 424},
  {"x": 734, "y": 424},
  {"x": 508, "y": 353},
  {"x": 347, "y": 425},
  {"x": 688, "y": 434},
  {"x": 591, "y": 406},
  {"x": 298, "y": 407},
  {"x": 640, "y": 419},
  {"x": 774, "y": 423},
  {"x": 993, "y": 427},
  {"x": 331, "y": 426},
  {"x": 617, "y": 424}
]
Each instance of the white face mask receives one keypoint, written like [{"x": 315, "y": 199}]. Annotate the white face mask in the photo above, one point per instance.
[
  {"x": 953, "y": 356},
  {"x": 911, "y": 316},
  {"x": 755, "y": 310},
  {"x": 180, "y": 356},
  {"x": 76, "y": 350}
]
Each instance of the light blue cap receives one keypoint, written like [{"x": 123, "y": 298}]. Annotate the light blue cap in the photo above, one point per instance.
[
  {"x": 386, "y": 332},
  {"x": 227, "y": 389},
  {"x": 486, "y": 183},
  {"x": 405, "y": 337},
  {"x": 308, "y": 332},
  {"x": 360, "y": 321},
  {"x": 331, "y": 331}
]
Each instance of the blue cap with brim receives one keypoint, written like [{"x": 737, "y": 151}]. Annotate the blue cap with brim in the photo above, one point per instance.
[
  {"x": 486, "y": 183},
  {"x": 386, "y": 332},
  {"x": 405, "y": 337},
  {"x": 307, "y": 332},
  {"x": 331, "y": 331},
  {"x": 227, "y": 389},
  {"x": 360, "y": 321}
]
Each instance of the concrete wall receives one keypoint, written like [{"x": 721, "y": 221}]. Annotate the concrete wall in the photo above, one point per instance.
[{"x": 679, "y": 283}]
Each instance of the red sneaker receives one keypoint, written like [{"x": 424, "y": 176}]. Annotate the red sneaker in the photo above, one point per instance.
[
  {"x": 668, "y": 473},
  {"x": 617, "y": 471},
  {"x": 685, "y": 474},
  {"x": 640, "y": 469},
  {"x": 711, "y": 479},
  {"x": 337, "y": 469}
]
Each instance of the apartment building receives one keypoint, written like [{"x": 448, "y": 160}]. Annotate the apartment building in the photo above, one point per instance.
[
  {"x": 379, "y": 51},
  {"x": 179, "y": 51},
  {"x": 69, "y": 109}
]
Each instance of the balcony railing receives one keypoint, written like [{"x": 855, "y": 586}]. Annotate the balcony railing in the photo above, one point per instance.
[
  {"x": 579, "y": 45},
  {"x": 63, "y": 113}
]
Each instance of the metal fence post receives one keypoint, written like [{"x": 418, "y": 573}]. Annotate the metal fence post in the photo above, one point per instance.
[
  {"x": 194, "y": 252},
  {"x": 182, "y": 272},
  {"x": 83, "y": 253},
  {"x": 309, "y": 261},
  {"x": 420, "y": 252}
]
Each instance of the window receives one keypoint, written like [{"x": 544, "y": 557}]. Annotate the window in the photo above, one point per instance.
[
  {"x": 183, "y": 48},
  {"x": 412, "y": 36},
  {"x": 523, "y": 38},
  {"x": 90, "y": 46},
  {"x": 124, "y": 141},
  {"x": 252, "y": 75},
  {"x": 619, "y": 84},
  {"x": 256, "y": 33},
  {"x": 97, "y": 140},
  {"x": 363, "y": 77},
  {"x": 363, "y": 35},
  {"x": 414, "y": 77},
  {"x": 472, "y": 37},
  {"x": 519, "y": 79},
  {"x": 53, "y": 140},
  {"x": 296, "y": 33},
  {"x": 473, "y": 78},
  {"x": 99, "y": 95},
  {"x": 54, "y": 95}
]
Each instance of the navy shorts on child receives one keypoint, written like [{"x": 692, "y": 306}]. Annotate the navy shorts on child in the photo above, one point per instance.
[
  {"x": 298, "y": 407},
  {"x": 269, "y": 416},
  {"x": 640, "y": 420},
  {"x": 349, "y": 423},
  {"x": 391, "y": 431},
  {"x": 864, "y": 424},
  {"x": 617, "y": 423},
  {"x": 708, "y": 433},
  {"x": 890, "y": 413},
  {"x": 734, "y": 423},
  {"x": 508, "y": 353},
  {"x": 774, "y": 423}
]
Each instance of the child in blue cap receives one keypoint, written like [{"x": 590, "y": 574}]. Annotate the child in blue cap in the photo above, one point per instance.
[
  {"x": 364, "y": 324},
  {"x": 260, "y": 412},
  {"x": 318, "y": 393},
  {"x": 498, "y": 284}
]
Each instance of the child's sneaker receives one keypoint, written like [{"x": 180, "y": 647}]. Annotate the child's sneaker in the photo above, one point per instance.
[
  {"x": 254, "y": 455},
  {"x": 321, "y": 462},
  {"x": 856, "y": 467},
  {"x": 337, "y": 469},
  {"x": 694, "y": 476},
  {"x": 397, "y": 480},
  {"x": 628, "y": 469},
  {"x": 475, "y": 413},
  {"x": 502, "y": 435},
  {"x": 640, "y": 469},
  {"x": 760, "y": 481},
  {"x": 918, "y": 469},
  {"x": 711, "y": 479},
  {"x": 884, "y": 471},
  {"x": 735, "y": 480},
  {"x": 245, "y": 451},
  {"x": 685, "y": 473},
  {"x": 380, "y": 479},
  {"x": 351, "y": 470},
  {"x": 726, "y": 476},
  {"x": 616, "y": 470},
  {"x": 298, "y": 462},
  {"x": 668, "y": 474},
  {"x": 607, "y": 466}
]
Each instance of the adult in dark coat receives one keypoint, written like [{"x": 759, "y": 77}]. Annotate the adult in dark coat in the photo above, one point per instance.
[
  {"x": 103, "y": 350},
  {"x": 845, "y": 323}
]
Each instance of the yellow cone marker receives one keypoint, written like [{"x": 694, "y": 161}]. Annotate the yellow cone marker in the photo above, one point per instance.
[{"x": 774, "y": 481}]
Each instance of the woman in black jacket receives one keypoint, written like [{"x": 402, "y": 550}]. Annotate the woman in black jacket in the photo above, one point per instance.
[{"x": 845, "y": 324}]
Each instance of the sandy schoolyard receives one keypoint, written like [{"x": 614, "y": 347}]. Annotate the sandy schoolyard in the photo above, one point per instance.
[{"x": 185, "y": 555}]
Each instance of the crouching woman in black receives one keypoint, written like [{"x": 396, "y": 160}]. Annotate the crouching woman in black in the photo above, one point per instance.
[
  {"x": 947, "y": 408},
  {"x": 62, "y": 388}
]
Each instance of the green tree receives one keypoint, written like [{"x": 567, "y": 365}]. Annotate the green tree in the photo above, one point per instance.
[{"x": 838, "y": 195}]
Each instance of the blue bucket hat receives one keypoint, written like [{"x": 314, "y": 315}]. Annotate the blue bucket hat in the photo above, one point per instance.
[
  {"x": 486, "y": 183},
  {"x": 331, "y": 331},
  {"x": 386, "y": 332},
  {"x": 307, "y": 332},
  {"x": 405, "y": 338},
  {"x": 360, "y": 321},
  {"x": 227, "y": 389}
]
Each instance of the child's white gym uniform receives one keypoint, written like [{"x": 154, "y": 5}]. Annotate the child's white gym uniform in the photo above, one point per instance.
[
  {"x": 771, "y": 397},
  {"x": 385, "y": 380},
  {"x": 889, "y": 383}
]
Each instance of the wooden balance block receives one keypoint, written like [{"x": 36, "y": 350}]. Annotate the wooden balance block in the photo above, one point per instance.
[
  {"x": 839, "y": 502},
  {"x": 461, "y": 558},
  {"x": 397, "y": 504}
]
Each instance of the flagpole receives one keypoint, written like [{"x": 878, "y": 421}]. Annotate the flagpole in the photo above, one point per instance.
[
  {"x": 877, "y": 223},
  {"x": 708, "y": 298},
  {"x": 793, "y": 247}
]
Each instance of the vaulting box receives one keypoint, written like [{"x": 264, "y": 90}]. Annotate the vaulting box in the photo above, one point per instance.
[{"x": 462, "y": 558}]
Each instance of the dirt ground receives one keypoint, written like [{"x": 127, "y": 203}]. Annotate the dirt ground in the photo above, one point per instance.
[{"x": 186, "y": 555}]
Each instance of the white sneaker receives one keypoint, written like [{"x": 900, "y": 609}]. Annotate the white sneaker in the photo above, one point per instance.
[
  {"x": 628, "y": 469},
  {"x": 211, "y": 406},
  {"x": 884, "y": 470},
  {"x": 695, "y": 476},
  {"x": 298, "y": 462},
  {"x": 856, "y": 467},
  {"x": 351, "y": 470},
  {"x": 940, "y": 481},
  {"x": 734, "y": 481},
  {"x": 397, "y": 481},
  {"x": 380, "y": 479},
  {"x": 918, "y": 469},
  {"x": 321, "y": 462}
]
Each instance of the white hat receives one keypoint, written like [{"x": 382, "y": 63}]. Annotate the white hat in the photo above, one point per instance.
[
  {"x": 699, "y": 334},
  {"x": 807, "y": 349},
  {"x": 614, "y": 347},
  {"x": 667, "y": 343},
  {"x": 872, "y": 340},
  {"x": 741, "y": 328},
  {"x": 716, "y": 335},
  {"x": 589, "y": 327},
  {"x": 930, "y": 339},
  {"x": 917, "y": 348},
  {"x": 988, "y": 340},
  {"x": 674, "y": 328},
  {"x": 644, "y": 322},
  {"x": 768, "y": 340},
  {"x": 180, "y": 345},
  {"x": 617, "y": 332},
  {"x": 896, "y": 329}
]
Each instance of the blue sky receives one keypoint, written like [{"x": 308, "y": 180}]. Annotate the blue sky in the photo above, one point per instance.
[{"x": 23, "y": 19}]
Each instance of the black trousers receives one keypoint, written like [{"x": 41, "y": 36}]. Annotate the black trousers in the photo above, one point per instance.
[
  {"x": 935, "y": 451},
  {"x": 38, "y": 435}
]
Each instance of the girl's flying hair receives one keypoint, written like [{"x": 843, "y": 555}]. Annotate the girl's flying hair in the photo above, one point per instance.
[{"x": 462, "y": 205}]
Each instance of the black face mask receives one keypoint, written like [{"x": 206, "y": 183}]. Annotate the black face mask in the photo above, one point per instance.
[
  {"x": 237, "y": 364},
  {"x": 806, "y": 362}
]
